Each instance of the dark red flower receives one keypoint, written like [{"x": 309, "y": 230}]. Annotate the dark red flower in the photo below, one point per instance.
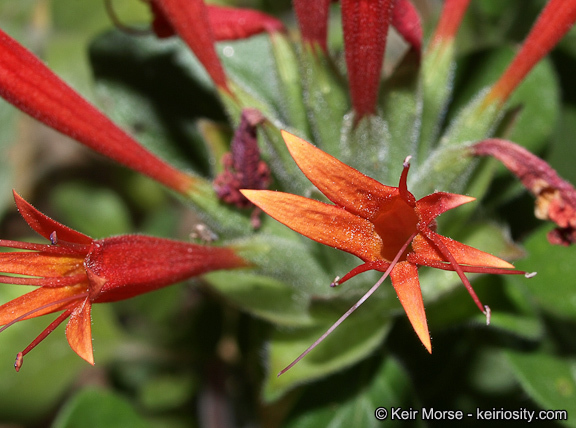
[{"x": 74, "y": 271}]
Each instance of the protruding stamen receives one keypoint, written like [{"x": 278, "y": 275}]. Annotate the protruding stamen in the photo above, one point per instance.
[
  {"x": 336, "y": 282},
  {"x": 450, "y": 259},
  {"x": 406, "y": 163},
  {"x": 530, "y": 274},
  {"x": 40, "y": 338},
  {"x": 488, "y": 314},
  {"x": 354, "y": 307},
  {"x": 53, "y": 238}
]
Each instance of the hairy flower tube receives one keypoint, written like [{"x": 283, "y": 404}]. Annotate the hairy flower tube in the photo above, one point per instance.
[
  {"x": 386, "y": 227},
  {"x": 74, "y": 271},
  {"x": 32, "y": 87}
]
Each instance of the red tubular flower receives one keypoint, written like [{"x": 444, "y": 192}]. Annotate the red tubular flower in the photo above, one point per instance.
[
  {"x": 190, "y": 20},
  {"x": 450, "y": 19},
  {"x": 406, "y": 20},
  {"x": 227, "y": 23},
  {"x": 553, "y": 23},
  {"x": 75, "y": 271},
  {"x": 313, "y": 21},
  {"x": 386, "y": 227},
  {"x": 555, "y": 197},
  {"x": 28, "y": 84},
  {"x": 365, "y": 25}
]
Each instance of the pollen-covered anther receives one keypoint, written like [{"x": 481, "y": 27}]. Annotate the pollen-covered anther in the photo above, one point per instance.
[
  {"x": 336, "y": 282},
  {"x": 488, "y": 313}
]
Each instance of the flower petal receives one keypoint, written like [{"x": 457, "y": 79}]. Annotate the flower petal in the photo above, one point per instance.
[
  {"x": 555, "y": 197},
  {"x": 39, "y": 302},
  {"x": 463, "y": 254},
  {"x": 406, "y": 20},
  {"x": 431, "y": 206},
  {"x": 404, "y": 278},
  {"x": 365, "y": 26},
  {"x": 38, "y": 264},
  {"x": 342, "y": 184},
  {"x": 79, "y": 331},
  {"x": 324, "y": 223},
  {"x": 450, "y": 20},
  {"x": 313, "y": 21},
  {"x": 190, "y": 20},
  {"x": 557, "y": 17},
  {"x": 45, "y": 226},
  {"x": 229, "y": 23}
]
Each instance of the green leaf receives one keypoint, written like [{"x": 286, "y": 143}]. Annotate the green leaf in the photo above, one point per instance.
[
  {"x": 94, "y": 408},
  {"x": 475, "y": 119},
  {"x": 549, "y": 380},
  {"x": 292, "y": 101},
  {"x": 52, "y": 367},
  {"x": 9, "y": 120},
  {"x": 263, "y": 297},
  {"x": 366, "y": 146},
  {"x": 522, "y": 326},
  {"x": 97, "y": 212},
  {"x": 537, "y": 97},
  {"x": 387, "y": 387},
  {"x": 326, "y": 99},
  {"x": 437, "y": 79},
  {"x": 355, "y": 339},
  {"x": 561, "y": 155},
  {"x": 167, "y": 391},
  {"x": 258, "y": 79},
  {"x": 289, "y": 260},
  {"x": 159, "y": 111},
  {"x": 552, "y": 287},
  {"x": 402, "y": 108}
]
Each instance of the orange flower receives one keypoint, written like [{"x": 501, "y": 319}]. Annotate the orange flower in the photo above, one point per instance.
[
  {"x": 74, "y": 271},
  {"x": 386, "y": 227}
]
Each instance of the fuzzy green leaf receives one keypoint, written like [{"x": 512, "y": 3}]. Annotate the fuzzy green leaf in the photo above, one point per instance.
[
  {"x": 93, "y": 408},
  {"x": 549, "y": 380},
  {"x": 353, "y": 340}
]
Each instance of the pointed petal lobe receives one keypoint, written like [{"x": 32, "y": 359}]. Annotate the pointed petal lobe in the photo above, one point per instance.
[
  {"x": 44, "y": 225},
  {"x": 404, "y": 278},
  {"x": 324, "y": 223},
  {"x": 313, "y": 21},
  {"x": 39, "y": 302},
  {"x": 431, "y": 206},
  {"x": 463, "y": 254},
  {"x": 79, "y": 331},
  {"x": 342, "y": 184}
]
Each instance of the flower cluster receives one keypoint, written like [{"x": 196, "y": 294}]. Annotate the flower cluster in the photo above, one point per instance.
[{"x": 365, "y": 120}]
